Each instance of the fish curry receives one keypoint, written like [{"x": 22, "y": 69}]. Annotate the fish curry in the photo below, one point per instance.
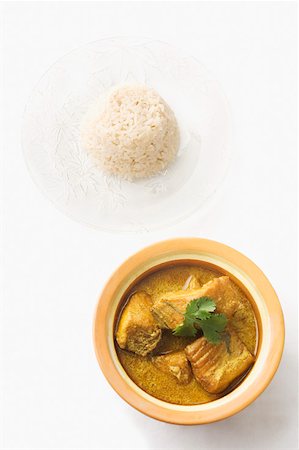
[{"x": 186, "y": 334}]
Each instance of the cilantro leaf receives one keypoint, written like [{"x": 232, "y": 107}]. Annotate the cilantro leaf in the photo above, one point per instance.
[
  {"x": 186, "y": 328},
  {"x": 204, "y": 307},
  {"x": 213, "y": 327},
  {"x": 200, "y": 314}
]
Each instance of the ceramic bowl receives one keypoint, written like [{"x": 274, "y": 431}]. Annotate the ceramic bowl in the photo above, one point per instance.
[{"x": 246, "y": 274}]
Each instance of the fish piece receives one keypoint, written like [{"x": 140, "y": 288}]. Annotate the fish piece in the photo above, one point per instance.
[
  {"x": 215, "y": 367},
  {"x": 169, "y": 309},
  {"x": 137, "y": 329},
  {"x": 176, "y": 364}
]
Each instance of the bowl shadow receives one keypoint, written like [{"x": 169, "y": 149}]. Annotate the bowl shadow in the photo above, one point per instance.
[{"x": 261, "y": 424}]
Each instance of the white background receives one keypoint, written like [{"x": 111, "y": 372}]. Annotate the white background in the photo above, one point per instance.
[{"x": 55, "y": 396}]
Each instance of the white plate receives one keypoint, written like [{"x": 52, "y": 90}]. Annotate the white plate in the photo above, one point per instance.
[{"x": 69, "y": 177}]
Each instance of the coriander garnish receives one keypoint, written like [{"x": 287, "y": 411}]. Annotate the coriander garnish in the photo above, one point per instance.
[{"x": 199, "y": 315}]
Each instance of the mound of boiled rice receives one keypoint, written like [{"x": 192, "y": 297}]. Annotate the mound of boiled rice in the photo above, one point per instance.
[{"x": 132, "y": 134}]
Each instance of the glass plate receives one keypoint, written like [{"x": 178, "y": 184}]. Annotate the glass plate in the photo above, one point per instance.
[{"x": 69, "y": 177}]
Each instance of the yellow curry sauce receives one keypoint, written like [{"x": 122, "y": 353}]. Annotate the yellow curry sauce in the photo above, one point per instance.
[{"x": 162, "y": 385}]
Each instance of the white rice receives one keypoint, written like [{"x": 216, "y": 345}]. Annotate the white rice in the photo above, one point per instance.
[{"x": 132, "y": 134}]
